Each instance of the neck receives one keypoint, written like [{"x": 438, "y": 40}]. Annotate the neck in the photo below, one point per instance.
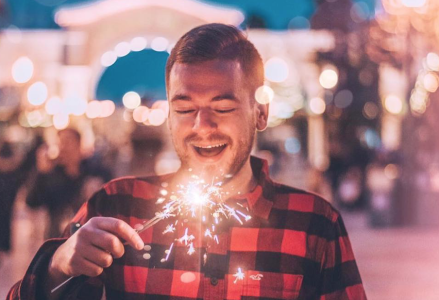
[{"x": 240, "y": 184}]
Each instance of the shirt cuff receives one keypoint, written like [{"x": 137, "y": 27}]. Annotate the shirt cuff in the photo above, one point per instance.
[{"x": 38, "y": 269}]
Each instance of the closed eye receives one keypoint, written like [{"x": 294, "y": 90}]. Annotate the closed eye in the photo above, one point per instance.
[
  {"x": 183, "y": 112},
  {"x": 224, "y": 111}
]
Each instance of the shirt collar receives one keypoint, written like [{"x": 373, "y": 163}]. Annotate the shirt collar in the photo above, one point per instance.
[{"x": 260, "y": 199}]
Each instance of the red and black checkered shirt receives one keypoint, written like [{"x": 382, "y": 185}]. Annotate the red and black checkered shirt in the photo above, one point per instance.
[{"x": 294, "y": 247}]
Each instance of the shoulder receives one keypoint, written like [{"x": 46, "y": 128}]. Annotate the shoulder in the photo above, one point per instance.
[{"x": 301, "y": 201}]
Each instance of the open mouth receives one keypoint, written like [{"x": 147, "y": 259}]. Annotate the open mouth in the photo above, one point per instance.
[{"x": 211, "y": 150}]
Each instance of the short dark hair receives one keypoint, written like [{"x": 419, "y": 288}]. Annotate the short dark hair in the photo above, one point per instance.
[{"x": 217, "y": 41}]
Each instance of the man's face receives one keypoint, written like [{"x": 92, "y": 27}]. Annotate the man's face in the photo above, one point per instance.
[{"x": 212, "y": 116}]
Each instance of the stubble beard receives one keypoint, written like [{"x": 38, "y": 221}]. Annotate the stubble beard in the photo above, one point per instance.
[{"x": 213, "y": 172}]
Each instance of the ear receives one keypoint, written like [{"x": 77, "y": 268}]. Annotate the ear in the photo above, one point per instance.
[{"x": 261, "y": 116}]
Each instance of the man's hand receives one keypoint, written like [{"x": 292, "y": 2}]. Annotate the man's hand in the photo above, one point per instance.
[{"x": 92, "y": 248}]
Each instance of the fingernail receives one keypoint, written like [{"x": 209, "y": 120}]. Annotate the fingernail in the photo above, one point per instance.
[{"x": 140, "y": 245}]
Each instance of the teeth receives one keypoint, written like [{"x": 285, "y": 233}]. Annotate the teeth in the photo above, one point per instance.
[{"x": 212, "y": 146}]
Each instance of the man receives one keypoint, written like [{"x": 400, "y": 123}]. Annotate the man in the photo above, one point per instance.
[
  {"x": 294, "y": 247},
  {"x": 63, "y": 184}
]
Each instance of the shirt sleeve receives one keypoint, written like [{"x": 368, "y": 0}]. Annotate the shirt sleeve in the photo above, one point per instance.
[
  {"x": 340, "y": 277},
  {"x": 29, "y": 287}
]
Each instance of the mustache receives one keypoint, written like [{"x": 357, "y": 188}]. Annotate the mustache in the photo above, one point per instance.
[{"x": 213, "y": 138}]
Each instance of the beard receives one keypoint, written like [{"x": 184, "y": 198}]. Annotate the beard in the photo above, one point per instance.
[{"x": 224, "y": 170}]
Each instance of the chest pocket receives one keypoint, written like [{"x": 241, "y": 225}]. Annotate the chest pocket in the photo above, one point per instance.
[{"x": 268, "y": 285}]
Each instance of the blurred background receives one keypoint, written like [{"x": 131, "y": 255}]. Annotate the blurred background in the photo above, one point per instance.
[{"x": 354, "y": 114}]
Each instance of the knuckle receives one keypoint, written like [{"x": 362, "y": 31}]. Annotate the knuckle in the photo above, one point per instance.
[{"x": 118, "y": 225}]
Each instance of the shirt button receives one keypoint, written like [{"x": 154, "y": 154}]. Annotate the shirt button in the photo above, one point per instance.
[{"x": 214, "y": 281}]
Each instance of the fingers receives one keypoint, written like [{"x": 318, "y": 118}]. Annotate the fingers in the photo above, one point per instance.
[
  {"x": 87, "y": 268},
  {"x": 121, "y": 229},
  {"x": 108, "y": 242},
  {"x": 97, "y": 256}
]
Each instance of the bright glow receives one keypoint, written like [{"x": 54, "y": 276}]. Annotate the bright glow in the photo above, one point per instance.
[
  {"x": 276, "y": 69},
  {"x": 75, "y": 105},
  {"x": 393, "y": 104},
  {"x": 156, "y": 117},
  {"x": 37, "y": 93},
  {"x": 328, "y": 78},
  {"x": 61, "y": 121},
  {"x": 264, "y": 94},
  {"x": 108, "y": 58},
  {"x": 93, "y": 109},
  {"x": 35, "y": 118},
  {"x": 22, "y": 70},
  {"x": 122, "y": 49},
  {"x": 317, "y": 105},
  {"x": 53, "y": 105},
  {"x": 107, "y": 108},
  {"x": 159, "y": 44},
  {"x": 433, "y": 61},
  {"x": 140, "y": 114},
  {"x": 414, "y": 3},
  {"x": 138, "y": 43},
  {"x": 131, "y": 100},
  {"x": 161, "y": 104},
  {"x": 430, "y": 82}
]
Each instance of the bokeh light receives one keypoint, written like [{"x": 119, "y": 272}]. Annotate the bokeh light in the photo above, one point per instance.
[
  {"x": 131, "y": 100},
  {"x": 299, "y": 23},
  {"x": 370, "y": 110},
  {"x": 37, "y": 93},
  {"x": 122, "y": 49},
  {"x": 107, "y": 108},
  {"x": 75, "y": 105},
  {"x": 317, "y": 105},
  {"x": 138, "y": 44},
  {"x": 430, "y": 82},
  {"x": 343, "y": 98},
  {"x": 61, "y": 121},
  {"x": 328, "y": 78},
  {"x": 108, "y": 58},
  {"x": 391, "y": 171},
  {"x": 93, "y": 109},
  {"x": 156, "y": 117},
  {"x": 159, "y": 44},
  {"x": 292, "y": 145},
  {"x": 432, "y": 61},
  {"x": 264, "y": 94},
  {"x": 53, "y": 105},
  {"x": 140, "y": 114},
  {"x": 22, "y": 70},
  {"x": 393, "y": 104},
  {"x": 276, "y": 69}
]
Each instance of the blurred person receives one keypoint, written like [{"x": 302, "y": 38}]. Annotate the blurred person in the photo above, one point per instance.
[
  {"x": 12, "y": 176},
  {"x": 295, "y": 246},
  {"x": 64, "y": 183}
]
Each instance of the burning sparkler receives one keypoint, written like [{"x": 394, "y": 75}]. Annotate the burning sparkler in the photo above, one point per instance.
[{"x": 187, "y": 201}]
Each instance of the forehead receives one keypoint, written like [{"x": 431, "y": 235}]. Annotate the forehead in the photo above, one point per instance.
[{"x": 205, "y": 76}]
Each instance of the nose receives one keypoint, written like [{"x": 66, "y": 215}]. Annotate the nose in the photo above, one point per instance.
[{"x": 204, "y": 122}]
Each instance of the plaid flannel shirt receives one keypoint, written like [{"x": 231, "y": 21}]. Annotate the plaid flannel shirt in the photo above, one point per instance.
[{"x": 294, "y": 247}]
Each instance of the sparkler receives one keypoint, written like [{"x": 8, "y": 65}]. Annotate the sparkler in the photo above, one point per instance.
[{"x": 197, "y": 196}]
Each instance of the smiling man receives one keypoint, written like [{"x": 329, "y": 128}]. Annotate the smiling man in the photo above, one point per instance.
[{"x": 294, "y": 247}]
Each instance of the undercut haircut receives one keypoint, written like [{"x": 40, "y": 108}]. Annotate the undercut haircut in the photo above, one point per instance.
[{"x": 218, "y": 41}]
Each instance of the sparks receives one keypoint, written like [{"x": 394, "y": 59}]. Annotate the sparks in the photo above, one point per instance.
[{"x": 238, "y": 275}]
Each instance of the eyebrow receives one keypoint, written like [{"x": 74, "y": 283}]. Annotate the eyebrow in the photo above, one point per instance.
[{"x": 226, "y": 96}]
